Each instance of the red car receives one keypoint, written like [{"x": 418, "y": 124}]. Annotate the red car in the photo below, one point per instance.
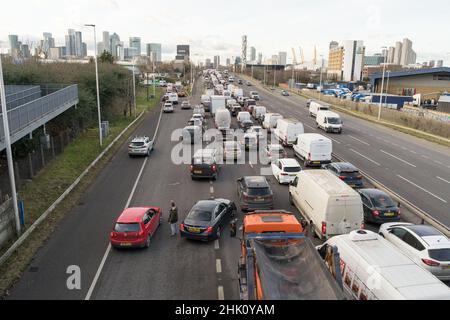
[{"x": 135, "y": 227}]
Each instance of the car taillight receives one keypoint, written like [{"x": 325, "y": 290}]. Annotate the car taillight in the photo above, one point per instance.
[
  {"x": 182, "y": 227},
  {"x": 324, "y": 228},
  {"x": 363, "y": 226},
  {"x": 284, "y": 174},
  {"x": 342, "y": 177},
  {"x": 399, "y": 211},
  {"x": 214, "y": 168},
  {"x": 191, "y": 167},
  {"x": 431, "y": 263},
  {"x": 376, "y": 213},
  {"x": 209, "y": 230},
  {"x": 359, "y": 177},
  {"x": 309, "y": 156}
]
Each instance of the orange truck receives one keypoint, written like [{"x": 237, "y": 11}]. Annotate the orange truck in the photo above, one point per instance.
[{"x": 279, "y": 263}]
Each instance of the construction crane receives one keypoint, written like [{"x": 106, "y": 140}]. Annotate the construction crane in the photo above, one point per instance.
[
  {"x": 315, "y": 56},
  {"x": 302, "y": 56},
  {"x": 294, "y": 61}
]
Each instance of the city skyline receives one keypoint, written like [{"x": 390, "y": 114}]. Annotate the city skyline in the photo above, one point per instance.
[{"x": 377, "y": 28}]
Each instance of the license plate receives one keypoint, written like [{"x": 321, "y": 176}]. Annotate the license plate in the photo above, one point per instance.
[
  {"x": 125, "y": 244},
  {"x": 316, "y": 162},
  {"x": 446, "y": 267},
  {"x": 197, "y": 171},
  {"x": 259, "y": 199},
  {"x": 194, "y": 230},
  {"x": 389, "y": 214}
]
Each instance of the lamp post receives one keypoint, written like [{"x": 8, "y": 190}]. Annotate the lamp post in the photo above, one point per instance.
[
  {"x": 382, "y": 86},
  {"x": 387, "y": 86},
  {"x": 320, "y": 84},
  {"x": 98, "y": 91},
  {"x": 134, "y": 86},
  {"x": 9, "y": 156}
]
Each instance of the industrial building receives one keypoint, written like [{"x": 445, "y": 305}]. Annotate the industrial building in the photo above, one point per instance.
[
  {"x": 346, "y": 62},
  {"x": 430, "y": 83}
]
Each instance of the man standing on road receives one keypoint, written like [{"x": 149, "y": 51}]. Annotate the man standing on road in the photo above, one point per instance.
[{"x": 173, "y": 218}]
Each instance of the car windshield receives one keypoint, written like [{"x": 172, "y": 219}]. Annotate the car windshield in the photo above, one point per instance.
[
  {"x": 127, "y": 227},
  {"x": 440, "y": 254},
  {"x": 292, "y": 169},
  {"x": 199, "y": 215},
  {"x": 382, "y": 202},
  {"x": 334, "y": 120},
  {"x": 205, "y": 159},
  {"x": 350, "y": 174},
  {"x": 137, "y": 144},
  {"x": 258, "y": 192}
]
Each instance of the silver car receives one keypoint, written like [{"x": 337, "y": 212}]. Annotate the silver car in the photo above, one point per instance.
[{"x": 140, "y": 146}]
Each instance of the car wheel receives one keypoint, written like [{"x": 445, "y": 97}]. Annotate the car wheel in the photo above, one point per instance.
[
  {"x": 147, "y": 242},
  {"x": 148, "y": 152}
]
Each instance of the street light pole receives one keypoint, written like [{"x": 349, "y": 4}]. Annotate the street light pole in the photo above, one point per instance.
[
  {"x": 98, "y": 90},
  {"x": 382, "y": 86},
  {"x": 134, "y": 88},
  {"x": 321, "y": 72},
  {"x": 387, "y": 86},
  {"x": 9, "y": 156}
]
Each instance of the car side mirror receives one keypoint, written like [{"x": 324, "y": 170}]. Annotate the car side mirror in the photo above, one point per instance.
[{"x": 399, "y": 204}]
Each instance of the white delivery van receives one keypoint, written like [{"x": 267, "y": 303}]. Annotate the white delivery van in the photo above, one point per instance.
[
  {"x": 288, "y": 130},
  {"x": 327, "y": 202},
  {"x": 217, "y": 102},
  {"x": 270, "y": 121},
  {"x": 243, "y": 115},
  {"x": 329, "y": 121},
  {"x": 314, "y": 149},
  {"x": 315, "y": 107},
  {"x": 173, "y": 97},
  {"x": 223, "y": 119},
  {"x": 238, "y": 93},
  {"x": 374, "y": 269},
  {"x": 259, "y": 112}
]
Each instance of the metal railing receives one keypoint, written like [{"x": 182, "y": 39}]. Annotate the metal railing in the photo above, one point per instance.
[{"x": 23, "y": 116}]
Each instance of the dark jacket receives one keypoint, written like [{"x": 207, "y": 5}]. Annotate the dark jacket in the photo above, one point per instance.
[{"x": 173, "y": 215}]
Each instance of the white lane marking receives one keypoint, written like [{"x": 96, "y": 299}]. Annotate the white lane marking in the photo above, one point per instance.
[
  {"x": 307, "y": 125},
  {"x": 220, "y": 293},
  {"x": 413, "y": 152},
  {"x": 394, "y": 144},
  {"x": 251, "y": 165},
  {"x": 404, "y": 148},
  {"x": 438, "y": 162},
  {"x": 108, "y": 249},
  {"x": 338, "y": 142},
  {"x": 399, "y": 159},
  {"x": 365, "y": 157},
  {"x": 216, "y": 245},
  {"x": 363, "y": 142},
  {"x": 218, "y": 266},
  {"x": 426, "y": 157},
  {"x": 442, "y": 179},
  {"x": 423, "y": 189}
]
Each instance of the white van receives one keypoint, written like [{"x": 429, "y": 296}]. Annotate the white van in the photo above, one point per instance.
[
  {"x": 315, "y": 107},
  {"x": 373, "y": 269},
  {"x": 222, "y": 119},
  {"x": 259, "y": 112},
  {"x": 329, "y": 121},
  {"x": 270, "y": 121},
  {"x": 314, "y": 149},
  {"x": 288, "y": 130},
  {"x": 173, "y": 97},
  {"x": 327, "y": 202},
  {"x": 243, "y": 115}
]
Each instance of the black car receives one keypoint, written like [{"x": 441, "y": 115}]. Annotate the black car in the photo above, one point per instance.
[
  {"x": 245, "y": 124},
  {"x": 254, "y": 193},
  {"x": 204, "y": 165},
  {"x": 206, "y": 219},
  {"x": 346, "y": 172},
  {"x": 235, "y": 110},
  {"x": 240, "y": 81},
  {"x": 378, "y": 207}
]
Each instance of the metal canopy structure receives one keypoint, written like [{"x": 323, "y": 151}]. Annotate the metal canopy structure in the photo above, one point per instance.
[{"x": 30, "y": 107}]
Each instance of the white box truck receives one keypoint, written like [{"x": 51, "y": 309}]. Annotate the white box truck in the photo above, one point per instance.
[
  {"x": 330, "y": 205},
  {"x": 314, "y": 149},
  {"x": 288, "y": 130},
  {"x": 218, "y": 102}
]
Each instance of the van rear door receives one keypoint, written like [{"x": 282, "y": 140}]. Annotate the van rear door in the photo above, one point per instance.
[
  {"x": 344, "y": 215},
  {"x": 320, "y": 151}
]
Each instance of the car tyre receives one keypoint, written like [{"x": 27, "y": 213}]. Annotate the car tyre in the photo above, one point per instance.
[{"x": 147, "y": 242}]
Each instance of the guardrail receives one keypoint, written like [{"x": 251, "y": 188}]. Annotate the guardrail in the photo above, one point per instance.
[{"x": 22, "y": 116}]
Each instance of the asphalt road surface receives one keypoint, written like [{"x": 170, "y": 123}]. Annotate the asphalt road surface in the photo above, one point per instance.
[
  {"x": 175, "y": 268},
  {"x": 416, "y": 169}
]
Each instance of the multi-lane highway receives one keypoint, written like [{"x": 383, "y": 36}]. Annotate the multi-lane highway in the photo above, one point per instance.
[
  {"x": 416, "y": 169},
  {"x": 174, "y": 268}
]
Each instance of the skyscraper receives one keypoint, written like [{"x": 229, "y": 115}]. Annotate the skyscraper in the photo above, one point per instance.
[
  {"x": 407, "y": 55},
  {"x": 154, "y": 51},
  {"x": 47, "y": 43},
  {"x": 391, "y": 55},
  {"x": 282, "y": 57},
  {"x": 252, "y": 54},
  {"x": 135, "y": 42},
  {"x": 106, "y": 42},
  {"x": 114, "y": 44},
  {"x": 228, "y": 62},
  {"x": 216, "y": 62},
  {"x": 398, "y": 53},
  {"x": 353, "y": 60},
  {"x": 78, "y": 44},
  {"x": 183, "y": 52},
  {"x": 70, "y": 43},
  {"x": 14, "y": 45},
  {"x": 259, "y": 58},
  {"x": 439, "y": 63},
  {"x": 244, "y": 52}
]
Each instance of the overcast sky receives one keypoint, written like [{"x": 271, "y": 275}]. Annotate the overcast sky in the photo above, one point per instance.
[{"x": 216, "y": 27}]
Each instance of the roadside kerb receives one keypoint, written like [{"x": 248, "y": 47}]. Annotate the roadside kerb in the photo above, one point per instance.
[{"x": 27, "y": 233}]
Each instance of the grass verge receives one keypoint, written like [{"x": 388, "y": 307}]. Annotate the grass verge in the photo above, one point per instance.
[{"x": 40, "y": 193}]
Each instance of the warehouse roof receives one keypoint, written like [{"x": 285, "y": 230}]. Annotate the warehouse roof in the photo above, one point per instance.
[{"x": 409, "y": 73}]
